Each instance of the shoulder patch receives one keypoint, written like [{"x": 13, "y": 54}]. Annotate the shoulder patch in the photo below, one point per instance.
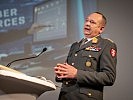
[
  {"x": 113, "y": 52},
  {"x": 109, "y": 40}
]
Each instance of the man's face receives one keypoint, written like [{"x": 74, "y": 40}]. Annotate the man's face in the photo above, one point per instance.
[{"x": 93, "y": 26}]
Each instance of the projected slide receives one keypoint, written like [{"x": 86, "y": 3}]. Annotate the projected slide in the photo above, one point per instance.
[{"x": 27, "y": 27}]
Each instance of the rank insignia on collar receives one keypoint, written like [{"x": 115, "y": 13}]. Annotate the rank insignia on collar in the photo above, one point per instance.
[
  {"x": 93, "y": 48},
  {"x": 94, "y": 40}
]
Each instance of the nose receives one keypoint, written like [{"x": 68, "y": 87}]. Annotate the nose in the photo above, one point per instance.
[{"x": 87, "y": 23}]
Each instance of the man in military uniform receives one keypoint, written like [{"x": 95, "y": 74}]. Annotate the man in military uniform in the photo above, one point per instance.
[{"x": 90, "y": 64}]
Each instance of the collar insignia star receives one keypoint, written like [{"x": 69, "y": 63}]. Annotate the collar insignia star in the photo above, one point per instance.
[{"x": 94, "y": 40}]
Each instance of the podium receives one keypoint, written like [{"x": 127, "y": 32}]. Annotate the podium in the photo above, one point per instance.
[{"x": 12, "y": 81}]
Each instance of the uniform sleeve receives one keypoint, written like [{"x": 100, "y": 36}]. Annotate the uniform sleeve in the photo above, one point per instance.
[{"x": 107, "y": 74}]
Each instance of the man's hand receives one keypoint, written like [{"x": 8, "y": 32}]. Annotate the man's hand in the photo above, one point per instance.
[{"x": 65, "y": 71}]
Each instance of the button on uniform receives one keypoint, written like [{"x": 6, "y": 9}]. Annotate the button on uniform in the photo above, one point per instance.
[
  {"x": 76, "y": 54},
  {"x": 89, "y": 94},
  {"x": 90, "y": 56},
  {"x": 66, "y": 83},
  {"x": 72, "y": 63}
]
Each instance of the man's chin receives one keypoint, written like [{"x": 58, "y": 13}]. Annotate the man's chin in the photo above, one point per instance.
[{"x": 87, "y": 34}]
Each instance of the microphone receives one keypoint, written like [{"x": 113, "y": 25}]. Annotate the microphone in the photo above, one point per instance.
[{"x": 44, "y": 49}]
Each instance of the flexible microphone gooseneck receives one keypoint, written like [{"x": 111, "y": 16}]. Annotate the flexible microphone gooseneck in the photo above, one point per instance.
[{"x": 8, "y": 65}]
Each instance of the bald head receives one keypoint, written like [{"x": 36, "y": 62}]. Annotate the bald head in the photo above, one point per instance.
[{"x": 104, "y": 20}]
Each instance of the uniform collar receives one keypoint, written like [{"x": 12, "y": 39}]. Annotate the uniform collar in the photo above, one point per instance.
[{"x": 89, "y": 39}]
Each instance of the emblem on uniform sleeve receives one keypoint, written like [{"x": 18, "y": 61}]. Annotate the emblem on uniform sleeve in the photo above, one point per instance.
[{"x": 113, "y": 52}]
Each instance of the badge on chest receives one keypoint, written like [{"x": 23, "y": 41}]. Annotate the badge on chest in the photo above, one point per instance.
[
  {"x": 88, "y": 64},
  {"x": 93, "y": 48}
]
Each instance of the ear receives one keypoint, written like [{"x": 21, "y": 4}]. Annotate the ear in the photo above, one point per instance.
[{"x": 101, "y": 29}]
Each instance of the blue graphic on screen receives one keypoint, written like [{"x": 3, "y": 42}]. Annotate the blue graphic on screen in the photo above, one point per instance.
[{"x": 15, "y": 17}]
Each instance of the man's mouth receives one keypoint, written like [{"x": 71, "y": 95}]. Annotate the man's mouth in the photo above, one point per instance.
[{"x": 87, "y": 29}]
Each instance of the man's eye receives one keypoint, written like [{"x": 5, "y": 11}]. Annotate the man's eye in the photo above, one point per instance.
[
  {"x": 86, "y": 20},
  {"x": 92, "y": 22}
]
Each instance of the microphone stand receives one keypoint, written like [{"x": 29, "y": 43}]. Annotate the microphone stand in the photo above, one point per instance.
[{"x": 8, "y": 65}]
